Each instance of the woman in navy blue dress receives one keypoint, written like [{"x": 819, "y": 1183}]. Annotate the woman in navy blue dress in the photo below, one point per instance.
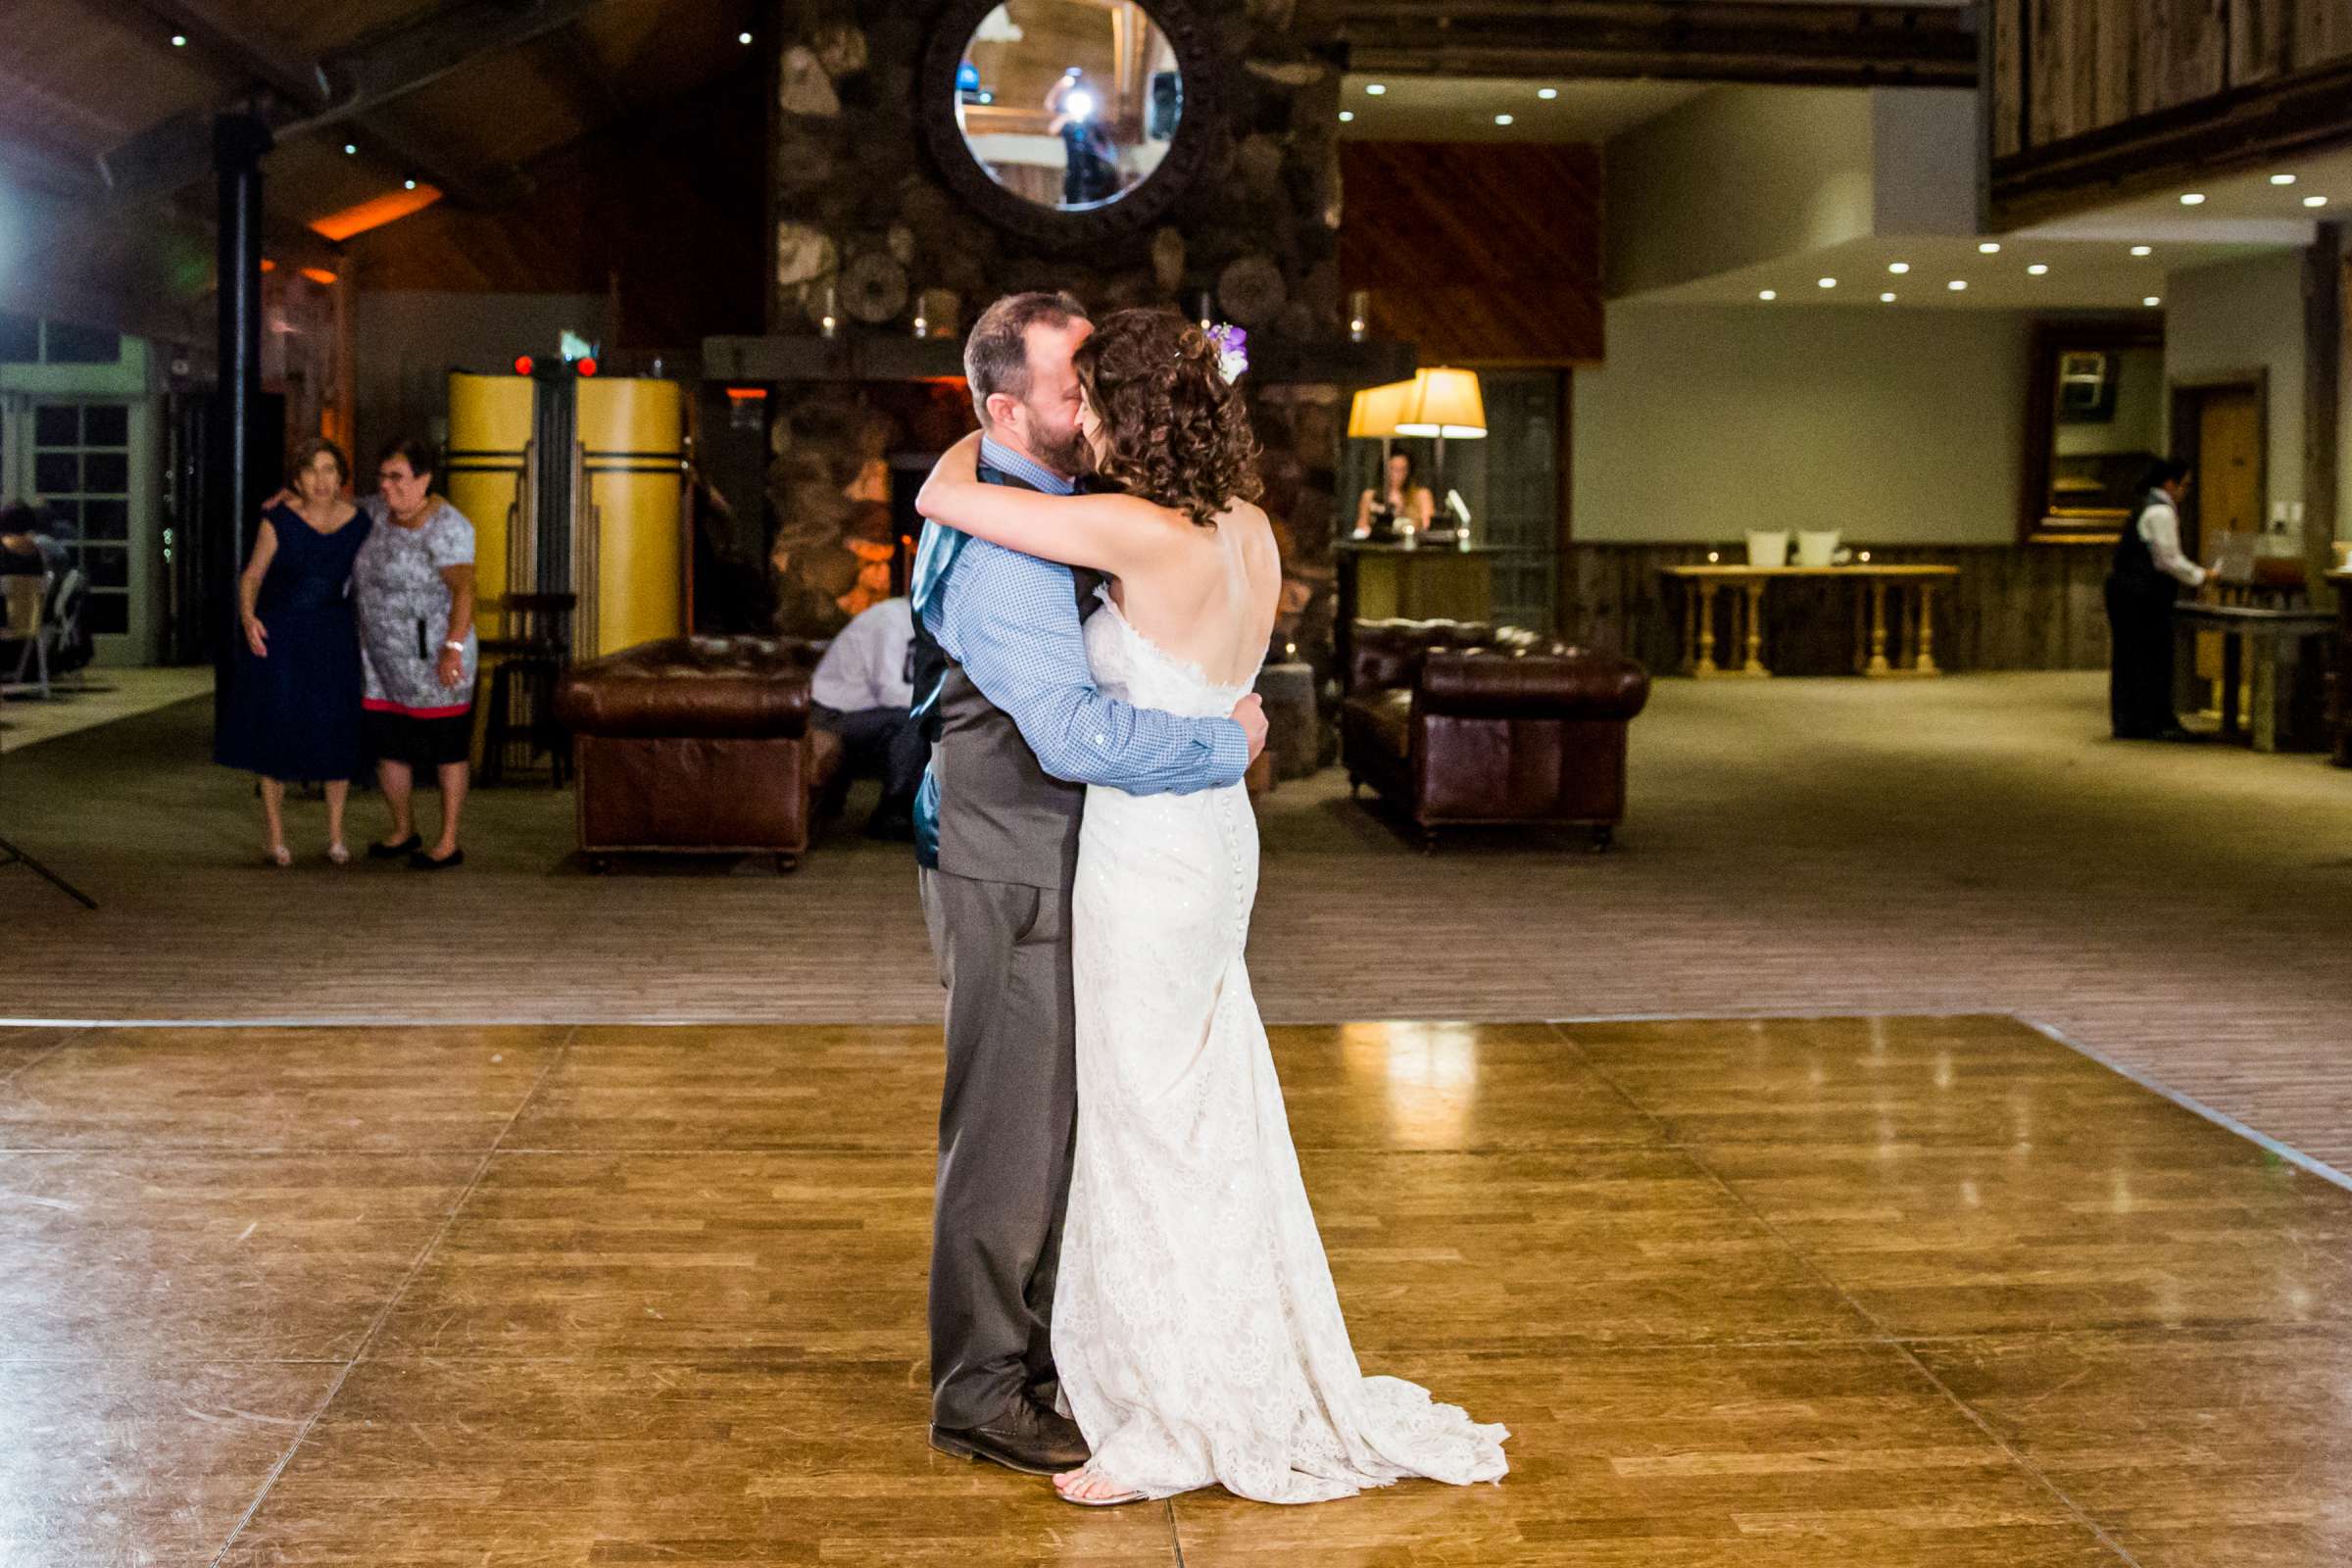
[{"x": 292, "y": 712}]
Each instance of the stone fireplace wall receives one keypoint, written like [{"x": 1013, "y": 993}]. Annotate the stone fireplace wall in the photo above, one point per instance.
[{"x": 862, "y": 214}]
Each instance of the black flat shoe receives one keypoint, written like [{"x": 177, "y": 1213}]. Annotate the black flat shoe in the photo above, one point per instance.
[
  {"x": 421, "y": 861},
  {"x": 393, "y": 852}
]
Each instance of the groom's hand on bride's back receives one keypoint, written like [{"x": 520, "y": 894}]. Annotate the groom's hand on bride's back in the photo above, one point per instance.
[{"x": 1250, "y": 715}]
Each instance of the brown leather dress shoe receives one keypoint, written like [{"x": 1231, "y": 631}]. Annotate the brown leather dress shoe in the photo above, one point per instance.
[{"x": 1028, "y": 1438}]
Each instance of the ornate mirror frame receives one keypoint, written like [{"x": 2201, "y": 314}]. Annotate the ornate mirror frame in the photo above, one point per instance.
[{"x": 1046, "y": 228}]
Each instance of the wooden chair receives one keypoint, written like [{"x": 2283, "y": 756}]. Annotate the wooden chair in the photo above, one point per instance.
[{"x": 29, "y": 628}]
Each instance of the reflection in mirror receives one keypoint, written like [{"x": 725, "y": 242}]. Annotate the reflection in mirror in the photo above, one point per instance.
[
  {"x": 2106, "y": 426},
  {"x": 1069, "y": 104}
]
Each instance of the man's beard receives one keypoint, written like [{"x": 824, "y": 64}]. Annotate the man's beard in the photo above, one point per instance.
[{"x": 1069, "y": 457}]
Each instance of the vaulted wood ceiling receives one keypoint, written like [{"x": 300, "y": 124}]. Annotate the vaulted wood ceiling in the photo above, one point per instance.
[{"x": 105, "y": 108}]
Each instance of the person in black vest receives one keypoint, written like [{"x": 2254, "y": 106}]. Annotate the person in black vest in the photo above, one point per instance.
[{"x": 2149, "y": 569}]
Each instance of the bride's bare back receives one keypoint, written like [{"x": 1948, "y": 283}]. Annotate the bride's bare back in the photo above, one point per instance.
[{"x": 1212, "y": 601}]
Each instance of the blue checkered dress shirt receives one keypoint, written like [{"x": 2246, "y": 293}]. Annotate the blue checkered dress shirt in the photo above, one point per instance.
[{"x": 1011, "y": 621}]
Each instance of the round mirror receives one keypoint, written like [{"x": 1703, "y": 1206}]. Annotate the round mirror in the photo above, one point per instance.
[
  {"x": 1068, "y": 104},
  {"x": 1070, "y": 122}
]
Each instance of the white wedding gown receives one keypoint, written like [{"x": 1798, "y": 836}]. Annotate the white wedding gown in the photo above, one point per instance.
[{"x": 1195, "y": 1329}]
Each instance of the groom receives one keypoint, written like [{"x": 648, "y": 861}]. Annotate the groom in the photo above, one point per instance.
[{"x": 1018, "y": 730}]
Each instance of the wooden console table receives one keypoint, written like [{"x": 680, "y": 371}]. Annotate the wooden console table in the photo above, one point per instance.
[
  {"x": 2286, "y": 684},
  {"x": 1700, "y": 584}
]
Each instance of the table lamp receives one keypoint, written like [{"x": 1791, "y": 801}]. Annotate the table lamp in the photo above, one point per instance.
[
  {"x": 1440, "y": 402},
  {"x": 1373, "y": 414}
]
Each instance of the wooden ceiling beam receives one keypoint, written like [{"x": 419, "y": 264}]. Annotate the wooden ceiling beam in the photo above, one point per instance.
[
  {"x": 348, "y": 91},
  {"x": 1690, "y": 40}
]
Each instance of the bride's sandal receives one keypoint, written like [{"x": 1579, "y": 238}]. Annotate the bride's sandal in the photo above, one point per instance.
[{"x": 1089, "y": 1475}]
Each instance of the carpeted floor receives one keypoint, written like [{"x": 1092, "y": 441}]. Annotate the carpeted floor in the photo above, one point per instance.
[{"x": 1795, "y": 847}]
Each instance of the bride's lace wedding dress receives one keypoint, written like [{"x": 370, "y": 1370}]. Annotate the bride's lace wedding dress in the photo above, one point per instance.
[{"x": 1195, "y": 1329}]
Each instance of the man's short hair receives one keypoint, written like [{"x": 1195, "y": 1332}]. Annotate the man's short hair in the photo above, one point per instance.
[{"x": 996, "y": 357}]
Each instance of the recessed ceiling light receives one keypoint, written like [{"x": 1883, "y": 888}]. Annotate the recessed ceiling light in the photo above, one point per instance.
[
  {"x": 351, "y": 149},
  {"x": 1957, "y": 284},
  {"x": 1992, "y": 247},
  {"x": 2282, "y": 179},
  {"x": 1503, "y": 119},
  {"x": 1768, "y": 293},
  {"x": 1375, "y": 89},
  {"x": 2193, "y": 199},
  {"x": 1898, "y": 268},
  {"x": 2038, "y": 268},
  {"x": 2143, "y": 249},
  {"x": 2315, "y": 201},
  {"x": 1547, "y": 94},
  {"x": 743, "y": 37},
  {"x": 1829, "y": 282},
  {"x": 408, "y": 184},
  {"x": 1346, "y": 115},
  {"x": 2151, "y": 300},
  {"x": 179, "y": 40},
  {"x": 1887, "y": 299}
]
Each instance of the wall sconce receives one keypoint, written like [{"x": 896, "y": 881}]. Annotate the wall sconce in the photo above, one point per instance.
[
  {"x": 1359, "y": 315},
  {"x": 1205, "y": 308},
  {"x": 829, "y": 322}
]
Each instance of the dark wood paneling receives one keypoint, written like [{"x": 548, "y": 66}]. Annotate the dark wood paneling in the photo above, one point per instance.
[
  {"x": 654, "y": 210},
  {"x": 2006, "y": 27},
  {"x": 2095, "y": 98},
  {"x": 2261, "y": 39},
  {"x": 1479, "y": 252},
  {"x": 1786, "y": 42},
  {"x": 2321, "y": 35},
  {"x": 2038, "y": 608}
]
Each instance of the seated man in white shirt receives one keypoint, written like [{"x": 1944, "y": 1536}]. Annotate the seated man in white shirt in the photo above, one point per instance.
[{"x": 863, "y": 690}]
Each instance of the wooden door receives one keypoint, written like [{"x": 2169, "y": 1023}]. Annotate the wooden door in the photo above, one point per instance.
[
  {"x": 2228, "y": 488},
  {"x": 2229, "y": 466}
]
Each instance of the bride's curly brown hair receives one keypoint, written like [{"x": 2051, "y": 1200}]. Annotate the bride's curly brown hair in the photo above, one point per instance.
[{"x": 1177, "y": 431}]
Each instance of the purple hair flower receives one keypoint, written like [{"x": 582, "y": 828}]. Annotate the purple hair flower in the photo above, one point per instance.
[{"x": 1233, "y": 350}]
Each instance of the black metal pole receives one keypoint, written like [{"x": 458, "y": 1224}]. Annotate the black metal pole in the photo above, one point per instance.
[{"x": 235, "y": 497}]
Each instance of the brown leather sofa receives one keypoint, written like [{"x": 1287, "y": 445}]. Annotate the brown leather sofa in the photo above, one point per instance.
[
  {"x": 697, "y": 745},
  {"x": 1458, "y": 724}
]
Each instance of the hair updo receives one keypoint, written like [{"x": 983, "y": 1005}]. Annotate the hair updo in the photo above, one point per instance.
[{"x": 1177, "y": 431}]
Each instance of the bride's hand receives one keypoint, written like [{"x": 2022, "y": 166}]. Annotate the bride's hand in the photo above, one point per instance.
[
  {"x": 958, "y": 465},
  {"x": 1250, "y": 713}
]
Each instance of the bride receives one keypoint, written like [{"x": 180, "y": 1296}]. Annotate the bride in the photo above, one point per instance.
[{"x": 1196, "y": 1328}]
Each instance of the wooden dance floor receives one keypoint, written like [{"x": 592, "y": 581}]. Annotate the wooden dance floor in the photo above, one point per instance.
[{"x": 1857, "y": 1292}]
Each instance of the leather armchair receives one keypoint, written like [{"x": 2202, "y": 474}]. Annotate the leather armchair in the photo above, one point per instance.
[
  {"x": 1458, "y": 723},
  {"x": 697, "y": 745}
]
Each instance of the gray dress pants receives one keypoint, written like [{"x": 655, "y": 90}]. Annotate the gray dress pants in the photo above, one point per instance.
[{"x": 1008, "y": 1123}]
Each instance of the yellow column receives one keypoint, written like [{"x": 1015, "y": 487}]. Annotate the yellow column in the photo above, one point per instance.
[
  {"x": 1756, "y": 627},
  {"x": 1706, "y": 627}
]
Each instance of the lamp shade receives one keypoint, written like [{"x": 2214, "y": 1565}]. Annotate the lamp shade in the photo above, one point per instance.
[
  {"x": 1373, "y": 415},
  {"x": 1444, "y": 403}
]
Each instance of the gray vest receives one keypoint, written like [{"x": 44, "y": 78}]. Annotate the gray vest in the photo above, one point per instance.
[{"x": 1002, "y": 819}]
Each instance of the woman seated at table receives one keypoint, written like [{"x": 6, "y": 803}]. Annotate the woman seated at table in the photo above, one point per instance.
[{"x": 1397, "y": 504}]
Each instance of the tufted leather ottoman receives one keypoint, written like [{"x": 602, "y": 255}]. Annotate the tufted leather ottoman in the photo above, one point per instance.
[{"x": 697, "y": 745}]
